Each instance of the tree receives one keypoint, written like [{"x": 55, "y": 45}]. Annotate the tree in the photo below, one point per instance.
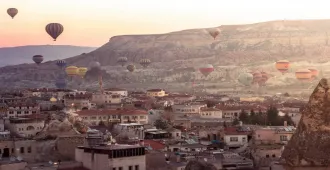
[
  {"x": 288, "y": 119},
  {"x": 161, "y": 124},
  {"x": 272, "y": 116},
  {"x": 253, "y": 117},
  {"x": 101, "y": 123},
  {"x": 236, "y": 121},
  {"x": 244, "y": 117}
]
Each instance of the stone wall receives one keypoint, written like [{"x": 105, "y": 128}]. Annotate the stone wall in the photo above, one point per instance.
[{"x": 66, "y": 145}]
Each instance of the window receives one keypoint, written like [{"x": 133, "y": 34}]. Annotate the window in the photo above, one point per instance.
[
  {"x": 114, "y": 168},
  {"x": 26, "y": 112},
  {"x": 114, "y": 116},
  {"x": 142, "y": 117},
  {"x": 34, "y": 112},
  {"x": 233, "y": 139},
  {"x": 11, "y": 112},
  {"x": 130, "y": 168},
  {"x": 244, "y": 139},
  {"x": 283, "y": 138},
  {"x": 120, "y": 168},
  {"x": 22, "y": 149},
  {"x": 137, "y": 167},
  {"x": 18, "y": 112},
  {"x": 29, "y": 149}
]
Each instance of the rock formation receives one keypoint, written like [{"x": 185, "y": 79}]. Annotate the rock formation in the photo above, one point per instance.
[
  {"x": 172, "y": 54},
  {"x": 198, "y": 165},
  {"x": 310, "y": 144}
]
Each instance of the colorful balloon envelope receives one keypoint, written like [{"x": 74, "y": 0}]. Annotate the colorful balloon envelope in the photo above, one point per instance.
[
  {"x": 38, "y": 59},
  {"x": 122, "y": 61},
  {"x": 82, "y": 71},
  {"x": 206, "y": 69},
  {"x": 257, "y": 76},
  {"x": 12, "y": 12},
  {"x": 282, "y": 66},
  {"x": 145, "y": 62},
  {"x": 54, "y": 30},
  {"x": 61, "y": 63},
  {"x": 264, "y": 78},
  {"x": 303, "y": 75},
  {"x": 71, "y": 71},
  {"x": 315, "y": 72},
  {"x": 131, "y": 68}
]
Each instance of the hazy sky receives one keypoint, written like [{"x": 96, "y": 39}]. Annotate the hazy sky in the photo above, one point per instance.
[{"x": 93, "y": 22}]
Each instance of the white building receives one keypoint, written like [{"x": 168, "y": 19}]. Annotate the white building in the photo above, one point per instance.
[
  {"x": 25, "y": 127},
  {"x": 121, "y": 92},
  {"x": 187, "y": 108},
  {"x": 234, "y": 138},
  {"x": 21, "y": 109},
  {"x": 106, "y": 98},
  {"x": 207, "y": 112},
  {"x": 94, "y": 117},
  {"x": 112, "y": 157},
  {"x": 78, "y": 101}
]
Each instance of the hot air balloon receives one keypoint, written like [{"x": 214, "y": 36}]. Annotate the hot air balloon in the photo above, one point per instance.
[
  {"x": 214, "y": 33},
  {"x": 54, "y": 30},
  {"x": 82, "y": 71},
  {"x": 60, "y": 83},
  {"x": 61, "y": 63},
  {"x": 303, "y": 75},
  {"x": 256, "y": 77},
  {"x": 264, "y": 78},
  {"x": 206, "y": 69},
  {"x": 38, "y": 59},
  {"x": 71, "y": 71},
  {"x": 131, "y": 68},
  {"x": 282, "y": 66},
  {"x": 122, "y": 61},
  {"x": 145, "y": 62},
  {"x": 53, "y": 99},
  {"x": 315, "y": 72},
  {"x": 12, "y": 12},
  {"x": 245, "y": 79}
]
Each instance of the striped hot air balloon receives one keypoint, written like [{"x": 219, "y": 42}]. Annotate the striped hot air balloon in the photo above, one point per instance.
[
  {"x": 12, "y": 12},
  {"x": 61, "y": 63},
  {"x": 145, "y": 62},
  {"x": 54, "y": 30},
  {"x": 315, "y": 73},
  {"x": 122, "y": 61},
  {"x": 264, "y": 78},
  {"x": 38, "y": 59},
  {"x": 282, "y": 66},
  {"x": 257, "y": 76},
  {"x": 82, "y": 71},
  {"x": 71, "y": 71},
  {"x": 303, "y": 75},
  {"x": 206, "y": 69}
]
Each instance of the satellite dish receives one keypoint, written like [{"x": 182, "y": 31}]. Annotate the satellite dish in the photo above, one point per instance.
[{"x": 205, "y": 159}]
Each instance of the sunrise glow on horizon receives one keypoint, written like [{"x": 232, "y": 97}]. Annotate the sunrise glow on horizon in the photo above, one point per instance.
[{"x": 93, "y": 22}]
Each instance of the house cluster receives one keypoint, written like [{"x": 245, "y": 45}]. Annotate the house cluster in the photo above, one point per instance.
[{"x": 140, "y": 130}]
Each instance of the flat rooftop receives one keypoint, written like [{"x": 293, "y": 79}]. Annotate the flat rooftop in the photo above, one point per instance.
[{"x": 111, "y": 147}]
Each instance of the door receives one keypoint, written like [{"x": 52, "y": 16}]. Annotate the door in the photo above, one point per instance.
[{"x": 5, "y": 153}]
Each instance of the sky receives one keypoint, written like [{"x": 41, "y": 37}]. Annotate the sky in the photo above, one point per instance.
[{"x": 93, "y": 22}]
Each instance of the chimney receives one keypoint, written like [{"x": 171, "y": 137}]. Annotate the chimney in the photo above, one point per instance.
[
  {"x": 285, "y": 123},
  {"x": 178, "y": 159}
]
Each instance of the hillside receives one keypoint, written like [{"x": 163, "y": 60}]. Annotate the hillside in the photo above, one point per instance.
[
  {"x": 175, "y": 54},
  {"x": 23, "y": 54}
]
